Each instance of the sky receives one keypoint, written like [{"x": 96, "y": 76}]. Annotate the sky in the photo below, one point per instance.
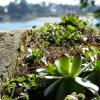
[{"x": 73, "y": 2}]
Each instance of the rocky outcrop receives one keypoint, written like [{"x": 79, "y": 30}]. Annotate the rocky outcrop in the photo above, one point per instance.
[{"x": 12, "y": 48}]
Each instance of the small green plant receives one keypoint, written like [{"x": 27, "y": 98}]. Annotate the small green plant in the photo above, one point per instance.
[
  {"x": 65, "y": 72},
  {"x": 69, "y": 30},
  {"x": 74, "y": 21},
  {"x": 75, "y": 96},
  {"x": 37, "y": 53},
  {"x": 16, "y": 89}
]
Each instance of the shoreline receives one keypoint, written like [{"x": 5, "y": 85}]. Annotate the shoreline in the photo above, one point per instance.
[{"x": 39, "y": 21}]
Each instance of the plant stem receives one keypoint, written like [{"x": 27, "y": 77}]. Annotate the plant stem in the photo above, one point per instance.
[
  {"x": 86, "y": 67},
  {"x": 19, "y": 97},
  {"x": 13, "y": 91}
]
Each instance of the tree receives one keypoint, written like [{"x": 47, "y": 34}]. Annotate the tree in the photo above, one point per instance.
[
  {"x": 2, "y": 10},
  {"x": 85, "y": 3}
]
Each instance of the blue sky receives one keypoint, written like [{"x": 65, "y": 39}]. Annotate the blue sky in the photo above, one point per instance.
[{"x": 73, "y": 2}]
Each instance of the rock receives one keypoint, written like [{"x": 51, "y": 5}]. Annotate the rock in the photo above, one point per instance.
[{"x": 12, "y": 49}]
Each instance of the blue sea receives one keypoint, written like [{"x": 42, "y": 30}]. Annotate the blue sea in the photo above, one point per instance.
[{"x": 11, "y": 26}]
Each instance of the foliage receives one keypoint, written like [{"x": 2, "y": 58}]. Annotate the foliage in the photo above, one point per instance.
[
  {"x": 77, "y": 66},
  {"x": 72, "y": 96},
  {"x": 72, "y": 19},
  {"x": 85, "y": 3},
  {"x": 65, "y": 71},
  {"x": 69, "y": 31},
  {"x": 97, "y": 13},
  {"x": 37, "y": 53},
  {"x": 16, "y": 89}
]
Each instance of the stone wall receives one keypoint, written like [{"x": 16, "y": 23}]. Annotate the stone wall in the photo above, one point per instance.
[{"x": 12, "y": 48}]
